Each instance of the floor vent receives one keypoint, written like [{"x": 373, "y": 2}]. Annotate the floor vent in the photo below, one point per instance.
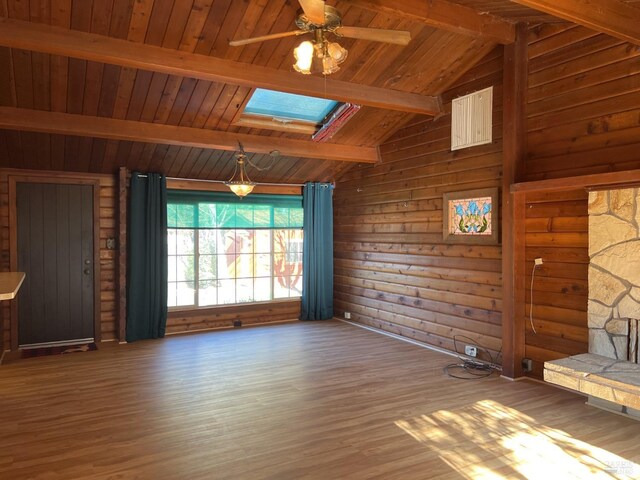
[{"x": 471, "y": 117}]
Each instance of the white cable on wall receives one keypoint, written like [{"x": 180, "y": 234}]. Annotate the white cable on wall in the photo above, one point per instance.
[{"x": 533, "y": 276}]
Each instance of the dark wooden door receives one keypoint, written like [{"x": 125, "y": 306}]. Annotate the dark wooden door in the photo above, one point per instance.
[{"x": 55, "y": 250}]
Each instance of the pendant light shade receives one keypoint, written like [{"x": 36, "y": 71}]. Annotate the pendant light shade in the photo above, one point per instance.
[{"x": 240, "y": 183}]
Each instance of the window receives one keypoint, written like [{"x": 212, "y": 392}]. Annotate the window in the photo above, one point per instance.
[
  {"x": 289, "y": 106},
  {"x": 287, "y": 112},
  {"x": 222, "y": 251}
]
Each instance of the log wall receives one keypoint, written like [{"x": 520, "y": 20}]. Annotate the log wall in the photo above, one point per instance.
[
  {"x": 583, "y": 117},
  {"x": 392, "y": 269}
]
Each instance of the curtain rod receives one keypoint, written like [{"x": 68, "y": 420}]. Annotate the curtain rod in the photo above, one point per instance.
[
  {"x": 140, "y": 175},
  {"x": 257, "y": 183}
]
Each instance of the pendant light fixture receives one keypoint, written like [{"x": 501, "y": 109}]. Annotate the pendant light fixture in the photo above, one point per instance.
[{"x": 240, "y": 183}]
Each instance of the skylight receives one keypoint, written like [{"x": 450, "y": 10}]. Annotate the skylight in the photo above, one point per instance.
[{"x": 289, "y": 106}]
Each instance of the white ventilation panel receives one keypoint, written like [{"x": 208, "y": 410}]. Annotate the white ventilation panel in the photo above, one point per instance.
[{"x": 471, "y": 119}]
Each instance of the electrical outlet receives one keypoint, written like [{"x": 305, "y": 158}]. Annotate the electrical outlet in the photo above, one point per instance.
[
  {"x": 347, "y": 315},
  {"x": 527, "y": 365},
  {"x": 471, "y": 350},
  {"x": 539, "y": 261}
]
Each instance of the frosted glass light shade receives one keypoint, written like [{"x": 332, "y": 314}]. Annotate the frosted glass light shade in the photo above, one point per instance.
[{"x": 303, "y": 54}]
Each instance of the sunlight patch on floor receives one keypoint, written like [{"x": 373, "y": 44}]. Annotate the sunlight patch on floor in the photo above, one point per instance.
[{"x": 487, "y": 440}]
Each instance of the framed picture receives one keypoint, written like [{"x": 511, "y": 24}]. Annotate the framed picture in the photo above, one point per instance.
[{"x": 471, "y": 216}]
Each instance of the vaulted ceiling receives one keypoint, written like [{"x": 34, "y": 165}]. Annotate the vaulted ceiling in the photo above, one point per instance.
[{"x": 92, "y": 85}]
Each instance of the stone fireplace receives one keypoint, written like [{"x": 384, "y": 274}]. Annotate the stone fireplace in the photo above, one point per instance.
[
  {"x": 610, "y": 373},
  {"x": 614, "y": 273}
]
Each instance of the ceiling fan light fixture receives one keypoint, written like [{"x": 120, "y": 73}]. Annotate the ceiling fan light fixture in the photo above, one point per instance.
[
  {"x": 329, "y": 65},
  {"x": 337, "y": 52},
  {"x": 303, "y": 54}
]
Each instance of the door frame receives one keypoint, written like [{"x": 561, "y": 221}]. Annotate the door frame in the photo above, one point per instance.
[{"x": 56, "y": 179}]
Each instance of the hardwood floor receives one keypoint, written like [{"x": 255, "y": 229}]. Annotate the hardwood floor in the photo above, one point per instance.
[{"x": 321, "y": 400}]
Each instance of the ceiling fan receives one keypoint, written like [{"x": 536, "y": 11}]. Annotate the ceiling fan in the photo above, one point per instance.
[{"x": 319, "y": 19}]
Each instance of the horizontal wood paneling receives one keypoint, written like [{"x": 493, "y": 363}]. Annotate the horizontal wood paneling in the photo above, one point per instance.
[
  {"x": 556, "y": 231},
  {"x": 583, "y": 118},
  {"x": 224, "y": 316},
  {"x": 392, "y": 269},
  {"x": 584, "y": 104}
]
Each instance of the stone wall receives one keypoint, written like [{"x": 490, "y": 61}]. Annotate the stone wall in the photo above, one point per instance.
[{"x": 614, "y": 273}]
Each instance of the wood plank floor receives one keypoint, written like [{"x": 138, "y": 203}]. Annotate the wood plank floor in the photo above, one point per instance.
[{"x": 321, "y": 400}]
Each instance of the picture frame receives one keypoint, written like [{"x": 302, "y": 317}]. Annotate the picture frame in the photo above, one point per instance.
[{"x": 471, "y": 217}]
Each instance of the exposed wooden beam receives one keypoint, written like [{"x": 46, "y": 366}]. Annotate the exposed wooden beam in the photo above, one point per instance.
[
  {"x": 100, "y": 127},
  {"x": 513, "y": 206},
  {"x": 98, "y": 48},
  {"x": 594, "y": 181},
  {"x": 446, "y": 16},
  {"x": 614, "y": 17}
]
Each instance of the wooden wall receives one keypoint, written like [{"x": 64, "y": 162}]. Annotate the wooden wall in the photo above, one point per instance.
[
  {"x": 556, "y": 226},
  {"x": 224, "y": 316},
  {"x": 583, "y": 117},
  {"x": 392, "y": 269}
]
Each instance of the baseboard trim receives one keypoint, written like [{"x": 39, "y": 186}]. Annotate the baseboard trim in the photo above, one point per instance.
[{"x": 417, "y": 343}]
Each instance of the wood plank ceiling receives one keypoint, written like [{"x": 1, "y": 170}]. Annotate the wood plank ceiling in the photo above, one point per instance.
[{"x": 43, "y": 82}]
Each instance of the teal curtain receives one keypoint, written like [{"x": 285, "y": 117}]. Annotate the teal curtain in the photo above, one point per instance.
[
  {"x": 317, "y": 259},
  {"x": 147, "y": 257}
]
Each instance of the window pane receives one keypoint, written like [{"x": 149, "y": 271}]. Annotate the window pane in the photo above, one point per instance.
[
  {"x": 263, "y": 241},
  {"x": 171, "y": 294},
  {"x": 280, "y": 265},
  {"x": 186, "y": 215},
  {"x": 263, "y": 265},
  {"x": 207, "y": 215},
  {"x": 244, "y": 241},
  {"x": 280, "y": 287},
  {"x": 279, "y": 241},
  {"x": 185, "y": 294},
  {"x": 185, "y": 241},
  {"x": 244, "y": 216},
  {"x": 261, "y": 216},
  {"x": 244, "y": 265},
  {"x": 185, "y": 268},
  {"x": 207, "y": 293},
  {"x": 207, "y": 241},
  {"x": 227, "y": 239},
  {"x": 227, "y": 291},
  {"x": 295, "y": 286},
  {"x": 172, "y": 269},
  {"x": 172, "y": 245},
  {"x": 226, "y": 266},
  {"x": 262, "y": 289},
  {"x": 244, "y": 290},
  {"x": 207, "y": 267}
]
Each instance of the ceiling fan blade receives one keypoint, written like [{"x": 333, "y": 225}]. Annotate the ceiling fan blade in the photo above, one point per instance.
[
  {"x": 399, "y": 37},
  {"x": 314, "y": 10},
  {"x": 272, "y": 36}
]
